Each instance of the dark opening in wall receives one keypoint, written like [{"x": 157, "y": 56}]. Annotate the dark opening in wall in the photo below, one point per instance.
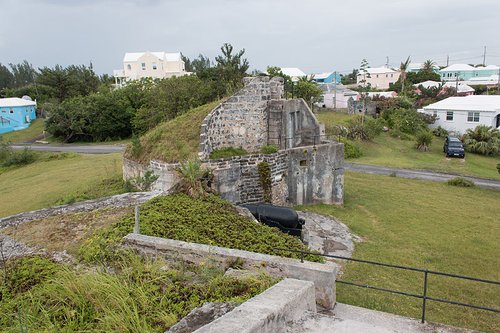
[{"x": 303, "y": 163}]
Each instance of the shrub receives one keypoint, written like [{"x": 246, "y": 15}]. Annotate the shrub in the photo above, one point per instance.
[
  {"x": 459, "y": 181},
  {"x": 351, "y": 149},
  {"x": 363, "y": 128},
  {"x": 405, "y": 120},
  {"x": 424, "y": 140},
  {"x": 10, "y": 157},
  {"x": 265, "y": 180},
  {"x": 483, "y": 140},
  {"x": 440, "y": 132},
  {"x": 498, "y": 167},
  {"x": 227, "y": 152},
  {"x": 269, "y": 149},
  {"x": 195, "y": 180},
  {"x": 142, "y": 183}
]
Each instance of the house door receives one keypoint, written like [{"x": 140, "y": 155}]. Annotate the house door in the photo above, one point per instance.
[{"x": 498, "y": 120}]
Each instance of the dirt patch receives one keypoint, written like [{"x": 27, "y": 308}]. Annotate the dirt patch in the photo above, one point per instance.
[{"x": 65, "y": 232}]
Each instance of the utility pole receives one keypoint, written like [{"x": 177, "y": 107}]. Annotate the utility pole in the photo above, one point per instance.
[
  {"x": 498, "y": 86},
  {"x": 484, "y": 56},
  {"x": 387, "y": 62},
  {"x": 447, "y": 60},
  {"x": 335, "y": 90},
  {"x": 456, "y": 87}
]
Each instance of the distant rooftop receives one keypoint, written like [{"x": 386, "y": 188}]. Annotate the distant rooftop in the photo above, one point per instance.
[
  {"x": 15, "y": 101},
  {"x": 379, "y": 70},
  {"x": 134, "y": 56},
  {"x": 489, "y": 103},
  {"x": 293, "y": 72},
  {"x": 466, "y": 68},
  {"x": 320, "y": 76}
]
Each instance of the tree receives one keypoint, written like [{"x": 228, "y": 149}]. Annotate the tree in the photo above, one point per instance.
[
  {"x": 232, "y": 67},
  {"x": 403, "y": 67},
  {"x": 428, "y": 66},
  {"x": 364, "y": 86},
  {"x": 6, "y": 78},
  {"x": 24, "y": 74},
  {"x": 350, "y": 78},
  {"x": 308, "y": 90}
]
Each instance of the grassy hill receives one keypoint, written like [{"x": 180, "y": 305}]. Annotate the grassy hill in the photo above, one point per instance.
[{"x": 174, "y": 140}]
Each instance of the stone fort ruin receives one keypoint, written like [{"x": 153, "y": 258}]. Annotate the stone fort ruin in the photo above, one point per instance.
[{"x": 306, "y": 169}]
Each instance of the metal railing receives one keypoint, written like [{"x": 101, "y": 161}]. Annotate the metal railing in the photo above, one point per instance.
[{"x": 424, "y": 297}]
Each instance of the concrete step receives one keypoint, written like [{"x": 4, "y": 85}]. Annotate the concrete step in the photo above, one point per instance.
[{"x": 352, "y": 319}]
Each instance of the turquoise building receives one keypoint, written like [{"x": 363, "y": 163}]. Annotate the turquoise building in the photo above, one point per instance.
[
  {"x": 16, "y": 113},
  {"x": 329, "y": 77},
  {"x": 466, "y": 72}
]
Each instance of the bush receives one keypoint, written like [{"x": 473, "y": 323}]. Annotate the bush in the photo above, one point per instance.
[
  {"x": 483, "y": 140},
  {"x": 227, "y": 152},
  {"x": 440, "y": 132},
  {"x": 424, "y": 140},
  {"x": 405, "y": 120},
  {"x": 351, "y": 150},
  {"x": 363, "y": 128},
  {"x": 459, "y": 181},
  {"x": 10, "y": 157},
  {"x": 269, "y": 149}
]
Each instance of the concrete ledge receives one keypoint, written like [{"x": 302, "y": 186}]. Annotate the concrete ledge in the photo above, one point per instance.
[
  {"x": 323, "y": 275},
  {"x": 268, "y": 312}
]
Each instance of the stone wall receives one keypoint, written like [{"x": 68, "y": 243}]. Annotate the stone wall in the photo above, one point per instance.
[
  {"x": 167, "y": 176},
  {"x": 241, "y": 121}
]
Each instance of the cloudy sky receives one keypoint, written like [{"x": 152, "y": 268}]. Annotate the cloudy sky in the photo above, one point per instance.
[{"x": 314, "y": 35}]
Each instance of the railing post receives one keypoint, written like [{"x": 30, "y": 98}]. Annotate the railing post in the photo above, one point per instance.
[
  {"x": 301, "y": 256},
  {"x": 137, "y": 229},
  {"x": 424, "y": 301}
]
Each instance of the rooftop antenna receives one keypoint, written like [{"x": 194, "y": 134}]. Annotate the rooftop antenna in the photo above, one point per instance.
[
  {"x": 484, "y": 57},
  {"x": 387, "y": 62}
]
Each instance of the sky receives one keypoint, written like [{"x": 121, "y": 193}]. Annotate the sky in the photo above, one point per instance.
[{"x": 314, "y": 35}]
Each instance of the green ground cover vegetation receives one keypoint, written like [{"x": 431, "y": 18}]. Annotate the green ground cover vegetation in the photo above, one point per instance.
[
  {"x": 130, "y": 294},
  {"x": 207, "y": 219},
  {"x": 426, "y": 225}
]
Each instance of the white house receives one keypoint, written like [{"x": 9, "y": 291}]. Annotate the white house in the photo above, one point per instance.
[
  {"x": 157, "y": 65},
  {"x": 336, "y": 96},
  {"x": 458, "y": 114},
  {"x": 294, "y": 73},
  {"x": 378, "y": 77}
]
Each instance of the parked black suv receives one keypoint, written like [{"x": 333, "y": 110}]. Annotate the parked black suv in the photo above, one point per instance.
[{"x": 453, "y": 147}]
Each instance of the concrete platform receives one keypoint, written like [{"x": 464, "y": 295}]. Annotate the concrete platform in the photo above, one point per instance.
[{"x": 352, "y": 319}]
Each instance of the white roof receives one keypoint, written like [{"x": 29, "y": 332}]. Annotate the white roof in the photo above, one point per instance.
[
  {"x": 490, "y": 103},
  {"x": 386, "y": 94},
  {"x": 293, "y": 72},
  {"x": 15, "y": 101},
  {"x": 488, "y": 68},
  {"x": 322, "y": 75},
  {"x": 462, "y": 87},
  {"x": 378, "y": 70},
  {"x": 458, "y": 68},
  {"x": 134, "y": 56},
  {"x": 427, "y": 84}
]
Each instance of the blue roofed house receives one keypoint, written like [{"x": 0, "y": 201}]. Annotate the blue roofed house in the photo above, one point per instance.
[
  {"x": 328, "y": 77},
  {"x": 16, "y": 113}
]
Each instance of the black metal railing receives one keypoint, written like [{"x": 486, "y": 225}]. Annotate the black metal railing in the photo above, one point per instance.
[{"x": 426, "y": 272}]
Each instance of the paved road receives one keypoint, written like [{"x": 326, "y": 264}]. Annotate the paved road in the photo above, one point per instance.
[
  {"x": 418, "y": 174},
  {"x": 83, "y": 149}
]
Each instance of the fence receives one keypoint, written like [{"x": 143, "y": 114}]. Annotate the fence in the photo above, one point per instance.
[{"x": 426, "y": 273}]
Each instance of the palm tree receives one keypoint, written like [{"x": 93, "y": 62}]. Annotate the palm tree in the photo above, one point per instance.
[
  {"x": 483, "y": 140},
  {"x": 428, "y": 65},
  {"x": 403, "y": 67}
]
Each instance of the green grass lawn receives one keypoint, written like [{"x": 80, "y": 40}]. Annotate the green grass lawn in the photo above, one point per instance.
[
  {"x": 427, "y": 225},
  {"x": 36, "y": 128},
  {"x": 387, "y": 151},
  {"x": 59, "y": 180}
]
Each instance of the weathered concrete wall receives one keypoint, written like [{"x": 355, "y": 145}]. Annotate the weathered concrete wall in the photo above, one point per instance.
[
  {"x": 121, "y": 200},
  {"x": 240, "y": 121},
  {"x": 166, "y": 172},
  {"x": 323, "y": 275},
  {"x": 269, "y": 312},
  {"x": 316, "y": 174}
]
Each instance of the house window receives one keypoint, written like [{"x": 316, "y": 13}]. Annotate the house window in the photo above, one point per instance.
[
  {"x": 392, "y": 75},
  {"x": 377, "y": 76},
  {"x": 449, "y": 115},
  {"x": 143, "y": 65},
  {"x": 154, "y": 65},
  {"x": 473, "y": 117},
  {"x": 129, "y": 67},
  {"x": 386, "y": 75}
]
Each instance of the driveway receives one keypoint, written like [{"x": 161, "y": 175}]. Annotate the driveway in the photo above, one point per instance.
[{"x": 418, "y": 174}]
